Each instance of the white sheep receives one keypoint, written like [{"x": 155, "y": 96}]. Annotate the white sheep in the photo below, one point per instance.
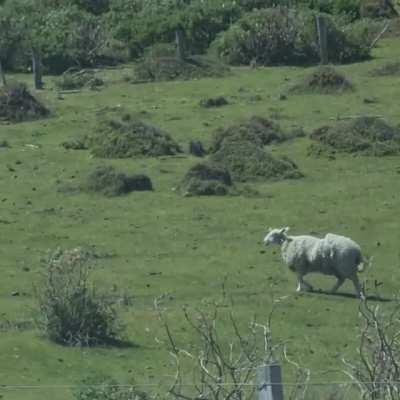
[{"x": 333, "y": 255}]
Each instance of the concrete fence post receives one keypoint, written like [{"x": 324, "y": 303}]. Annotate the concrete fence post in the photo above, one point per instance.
[
  {"x": 269, "y": 382},
  {"x": 322, "y": 38}
]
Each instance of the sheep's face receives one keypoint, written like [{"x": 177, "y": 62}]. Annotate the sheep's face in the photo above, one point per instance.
[{"x": 275, "y": 236}]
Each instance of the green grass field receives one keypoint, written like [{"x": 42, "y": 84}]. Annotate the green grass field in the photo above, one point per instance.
[{"x": 193, "y": 243}]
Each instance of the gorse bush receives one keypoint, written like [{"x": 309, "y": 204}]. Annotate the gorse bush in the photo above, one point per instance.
[
  {"x": 70, "y": 311},
  {"x": 288, "y": 36}
]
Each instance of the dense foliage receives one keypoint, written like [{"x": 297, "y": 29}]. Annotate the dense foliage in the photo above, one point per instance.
[
  {"x": 86, "y": 32},
  {"x": 289, "y": 36}
]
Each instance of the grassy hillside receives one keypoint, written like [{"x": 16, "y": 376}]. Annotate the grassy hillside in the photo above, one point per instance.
[{"x": 191, "y": 243}]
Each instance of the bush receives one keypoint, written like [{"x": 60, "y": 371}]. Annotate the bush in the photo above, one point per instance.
[
  {"x": 206, "y": 179},
  {"x": 169, "y": 68},
  {"x": 71, "y": 312},
  {"x": 77, "y": 79},
  {"x": 17, "y": 104},
  {"x": 127, "y": 137},
  {"x": 324, "y": 80},
  {"x": 107, "y": 181},
  {"x": 365, "y": 135},
  {"x": 284, "y": 36},
  {"x": 377, "y": 9}
]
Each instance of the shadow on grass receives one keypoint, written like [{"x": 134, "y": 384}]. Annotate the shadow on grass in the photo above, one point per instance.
[{"x": 352, "y": 295}]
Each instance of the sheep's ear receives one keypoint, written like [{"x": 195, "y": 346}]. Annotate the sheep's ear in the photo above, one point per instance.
[
  {"x": 269, "y": 229},
  {"x": 284, "y": 230}
]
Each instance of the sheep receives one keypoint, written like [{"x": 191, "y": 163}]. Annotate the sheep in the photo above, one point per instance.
[{"x": 333, "y": 255}]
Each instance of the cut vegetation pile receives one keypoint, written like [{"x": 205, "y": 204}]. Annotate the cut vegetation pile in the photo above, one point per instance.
[
  {"x": 389, "y": 69},
  {"x": 170, "y": 68},
  {"x": 364, "y": 135},
  {"x": 17, "y": 104},
  {"x": 206, "y": 179},
  {"x": 76, "y": 79},
  {"x": 240, "y": 149},
  {"x": 214, "y": 102},
  {"x": 126, "y": 136},
  {"x": 324, "y": 80},
  {"x": 109, "y": 182}
]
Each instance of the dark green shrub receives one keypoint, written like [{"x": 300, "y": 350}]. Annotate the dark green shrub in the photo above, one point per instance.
[
  {"x": 323, "y": 80},
  {"x": 206, "y": 179},
  {"x": 214, "y": 102},
  {"x": 286, "y": 36},
  {"x": 129, "y": 137},
  {"x": 365, "y": 135},
  {"x": 4, "y": 144},
  {"x": 107, "y": 181},
  {"x": 377, "y": 9},
  {"x": 170, "y": 68},
  {"x": 71, "y": 312},
  {"x": 17, "y": 104}
]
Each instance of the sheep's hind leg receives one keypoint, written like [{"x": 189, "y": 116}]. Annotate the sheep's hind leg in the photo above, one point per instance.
[
  {"x": 337, "y": 285},
  {"x": 358, "y": 287}
]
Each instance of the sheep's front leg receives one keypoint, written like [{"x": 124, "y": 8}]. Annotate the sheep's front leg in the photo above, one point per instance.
[
  {"x": 302, "y": 285},
  {"x": 337, "y": 285}
]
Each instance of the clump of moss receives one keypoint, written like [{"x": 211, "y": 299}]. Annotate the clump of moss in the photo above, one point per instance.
[
  {"x": 17, "y": 104},
  {"x": 247, "y": 161},
  {"x": 153, "y": 68},
  {"x": 388, "y": 69},
  {"x": 214, "y": 102},
  {"x": 109, "y": 182},
  {"x": 126, "y": 136},
  {"x": 323, "y": 80},
  {"x": 206, "y": 179},
  {"x": 363, "y": 135},
  {"x": 77, "y": 79}
]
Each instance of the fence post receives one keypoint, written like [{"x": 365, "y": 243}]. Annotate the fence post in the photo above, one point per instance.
[
  {"x": 180, "y": 44},
  {"x": 322, "y": 38},
  {"x": 269, "y": 382}
]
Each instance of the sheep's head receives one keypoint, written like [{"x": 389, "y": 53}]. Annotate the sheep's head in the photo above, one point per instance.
[{"x": 276, "y": 236}]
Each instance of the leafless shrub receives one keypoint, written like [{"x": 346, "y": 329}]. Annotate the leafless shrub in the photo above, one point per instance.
[
  {"x": 224, "y": 356},
  {"x": 377, "y": 370}
]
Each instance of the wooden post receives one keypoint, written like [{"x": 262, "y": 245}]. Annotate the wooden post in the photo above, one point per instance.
[
  {"x": 2, "y": 74},
  {"x": 180, "y": 44},
  {"x": 269, "y": 382},
  {"x": 37, "y": 69},
  {"x": 322, "y": 39}
]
